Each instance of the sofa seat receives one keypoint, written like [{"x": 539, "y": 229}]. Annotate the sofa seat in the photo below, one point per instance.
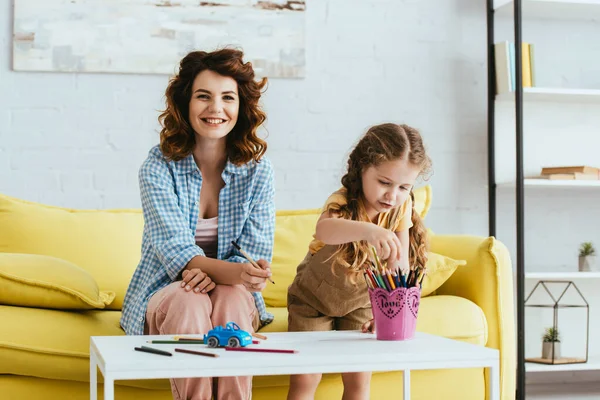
[{"x": 54, "y": 344}]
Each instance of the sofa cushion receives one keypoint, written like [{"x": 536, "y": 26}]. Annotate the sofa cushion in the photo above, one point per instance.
[
  {"x": 31, "y": 280},
  {"x": 105, "y": 243},
  {"x": 439, "y": 269},
  {"x": 61, "y": 349}
]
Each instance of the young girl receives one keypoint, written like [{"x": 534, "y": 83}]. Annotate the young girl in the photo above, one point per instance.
[
  {"x": 374, "y": 208},
  {"x": 206, "y": 185}
]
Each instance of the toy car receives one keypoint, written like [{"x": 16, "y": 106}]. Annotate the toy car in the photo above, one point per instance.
[{"x": 231, "y": 336}]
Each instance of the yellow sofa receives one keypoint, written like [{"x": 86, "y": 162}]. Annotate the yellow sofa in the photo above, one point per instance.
[{"x": 63, "y": 275}]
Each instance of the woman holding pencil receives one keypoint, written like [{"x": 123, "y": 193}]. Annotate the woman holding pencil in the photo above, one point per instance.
[
  {"x": 207, "y": 198},
  {"x": 373, "y": 210}
]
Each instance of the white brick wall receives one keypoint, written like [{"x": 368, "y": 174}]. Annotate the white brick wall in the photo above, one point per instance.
[{"x": 77, "y": 140}]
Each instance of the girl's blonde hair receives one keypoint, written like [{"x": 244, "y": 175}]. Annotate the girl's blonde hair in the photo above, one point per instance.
[{"x": 381, "y": 143}]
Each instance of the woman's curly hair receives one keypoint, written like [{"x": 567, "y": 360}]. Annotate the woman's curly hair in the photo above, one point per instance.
[
  {"x": 381, "y": 143},
  {"x": 177, "y": 138}
]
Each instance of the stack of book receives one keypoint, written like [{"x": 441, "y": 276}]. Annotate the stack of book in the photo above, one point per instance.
[
  {"x": 571, "y": 173},
  {"x": 504, "y": 53}
]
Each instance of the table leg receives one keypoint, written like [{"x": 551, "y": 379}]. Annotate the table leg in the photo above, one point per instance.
[
  {"x": 406, "y": 384},
  {"x": 494, "y": 388},
  {"x": 109, "y": 388},
  {"x": 93, "y": 377}
]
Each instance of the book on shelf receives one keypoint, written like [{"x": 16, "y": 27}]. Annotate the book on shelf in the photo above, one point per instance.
[
  {"x": 504, "y": 54},
  {"x": 582, "y": 169},
  {"x": 581, "y": 172},
  {"x": 576, "y": 176}
]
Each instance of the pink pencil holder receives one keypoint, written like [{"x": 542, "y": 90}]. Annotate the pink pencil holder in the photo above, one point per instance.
[{"x": 395, "y": 313}]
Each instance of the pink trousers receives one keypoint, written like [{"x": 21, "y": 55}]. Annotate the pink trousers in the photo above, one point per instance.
[{"x": 173, "y": 311}]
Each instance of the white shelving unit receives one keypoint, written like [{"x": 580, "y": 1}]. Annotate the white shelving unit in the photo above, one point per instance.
[
  {"x": 552, "y": 9},
  {"x": 554, "y": 183},
  {"x": 555, "y": 95},
  {"x": 567, "y": 11},
  {"x": 559, "y": 276},
  {"x": 592, "y": 364}
]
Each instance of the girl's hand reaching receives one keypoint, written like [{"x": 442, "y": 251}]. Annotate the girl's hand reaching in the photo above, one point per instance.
[
  {"x": 254, "y": 279},
  {"x": 369, "y": 327},
  {"x": 386, "y": 243},
  {"x": 197, "y": 280}
]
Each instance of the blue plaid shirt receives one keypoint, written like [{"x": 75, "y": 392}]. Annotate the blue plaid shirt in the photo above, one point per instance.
[{"x": 170, "y": 193}]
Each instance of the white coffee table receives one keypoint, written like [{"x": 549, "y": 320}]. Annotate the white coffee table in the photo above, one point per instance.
[{"x": 325, "y": 352}]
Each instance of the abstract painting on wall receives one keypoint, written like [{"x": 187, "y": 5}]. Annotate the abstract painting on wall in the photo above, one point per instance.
[{"x": 151, "y": 36}]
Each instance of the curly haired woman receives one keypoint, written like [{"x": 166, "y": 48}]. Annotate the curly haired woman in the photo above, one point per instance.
[{"x": 207, "y": 184}]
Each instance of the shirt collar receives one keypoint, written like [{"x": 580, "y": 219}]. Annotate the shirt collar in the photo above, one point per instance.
[{"x": 187, "y": 165}]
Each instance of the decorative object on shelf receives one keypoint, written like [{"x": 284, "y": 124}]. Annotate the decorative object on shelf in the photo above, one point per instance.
[
  {"x": 550, "y": 344},
  {"x": 587, "y": 257},
  {"x": 505, "y": 66},
  {"x": 581, "y": 172},
  {"x": 551, "y": 353}
]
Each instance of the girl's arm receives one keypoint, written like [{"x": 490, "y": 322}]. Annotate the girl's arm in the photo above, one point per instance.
[{"x": 331, "y": 230}]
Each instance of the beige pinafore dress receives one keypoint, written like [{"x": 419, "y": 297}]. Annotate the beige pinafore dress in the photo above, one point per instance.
[{"x": 320, "y": 299}]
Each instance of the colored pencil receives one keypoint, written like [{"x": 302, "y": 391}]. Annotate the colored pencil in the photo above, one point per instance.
[
  {"x": 259, "y": 336},
  {"x": 198, "y": 353},
  {"x": 260, "y": 350},
  {"x": 389, "y": 278},
  {"x": 403, "y": 280},
  {"x": 188, "y": 338},
  {"x": 175, "y": 341},
  {"x": 237, "y": 246},
  {"x": 367, "y": 280},
  {"x": 153, "y": 351}
]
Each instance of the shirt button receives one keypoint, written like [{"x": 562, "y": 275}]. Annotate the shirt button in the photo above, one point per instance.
[
  {"x": 141, "y": 319},
  {"x": 196, "y": 202}
]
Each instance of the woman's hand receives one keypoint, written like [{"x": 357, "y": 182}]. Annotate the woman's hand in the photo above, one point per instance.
[
  {"x": 196, "y": 280},
  {"x": 368, "y": 327},
  {"x": 255, "y": 279},
  {"x": 386, "y": 243}
]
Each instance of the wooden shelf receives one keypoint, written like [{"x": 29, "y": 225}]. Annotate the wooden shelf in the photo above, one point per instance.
[
  {"x": 553, "y": 183},
  {"x": 593, "y": 363},
  {"x": 552, "y": 9},
  {"x": 557, "y": 276},
  {"x": 560, "y": 95}
]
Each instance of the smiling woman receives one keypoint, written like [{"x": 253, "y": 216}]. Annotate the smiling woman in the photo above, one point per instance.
[{"x": 207, "y": 185}]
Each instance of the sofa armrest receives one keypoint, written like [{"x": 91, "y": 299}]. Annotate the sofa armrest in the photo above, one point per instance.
[{"x": 487, "y": 281}]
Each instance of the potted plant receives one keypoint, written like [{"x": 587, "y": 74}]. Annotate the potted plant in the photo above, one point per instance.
[
  {"x": 551, "y": 344},
  {"x": 587, "y": 257}
]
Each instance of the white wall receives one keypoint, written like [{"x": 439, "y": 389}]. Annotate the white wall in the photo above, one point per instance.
[{"x": 77, "y": 140}]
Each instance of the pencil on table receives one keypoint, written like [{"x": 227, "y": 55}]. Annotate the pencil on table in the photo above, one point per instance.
[
  {"x": 198, "y": 353},
  {"x": 187, "y": 338},
  {"x": 153, "y": 351},
  {"x": 175, "y": 341},
  {"x": 259, "y": 336},
  {"x": 247, "y": 256},
  {"x": 260, "y": 350}
]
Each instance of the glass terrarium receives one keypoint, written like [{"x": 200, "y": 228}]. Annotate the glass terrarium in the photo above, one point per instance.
[{"x": 564, "y": 315}]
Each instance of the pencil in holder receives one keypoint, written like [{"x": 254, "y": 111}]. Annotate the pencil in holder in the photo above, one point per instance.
[{"x": 395, "y": 313}]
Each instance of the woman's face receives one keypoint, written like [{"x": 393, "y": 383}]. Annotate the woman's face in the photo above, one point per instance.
[{"x": 214, "y": 105}]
